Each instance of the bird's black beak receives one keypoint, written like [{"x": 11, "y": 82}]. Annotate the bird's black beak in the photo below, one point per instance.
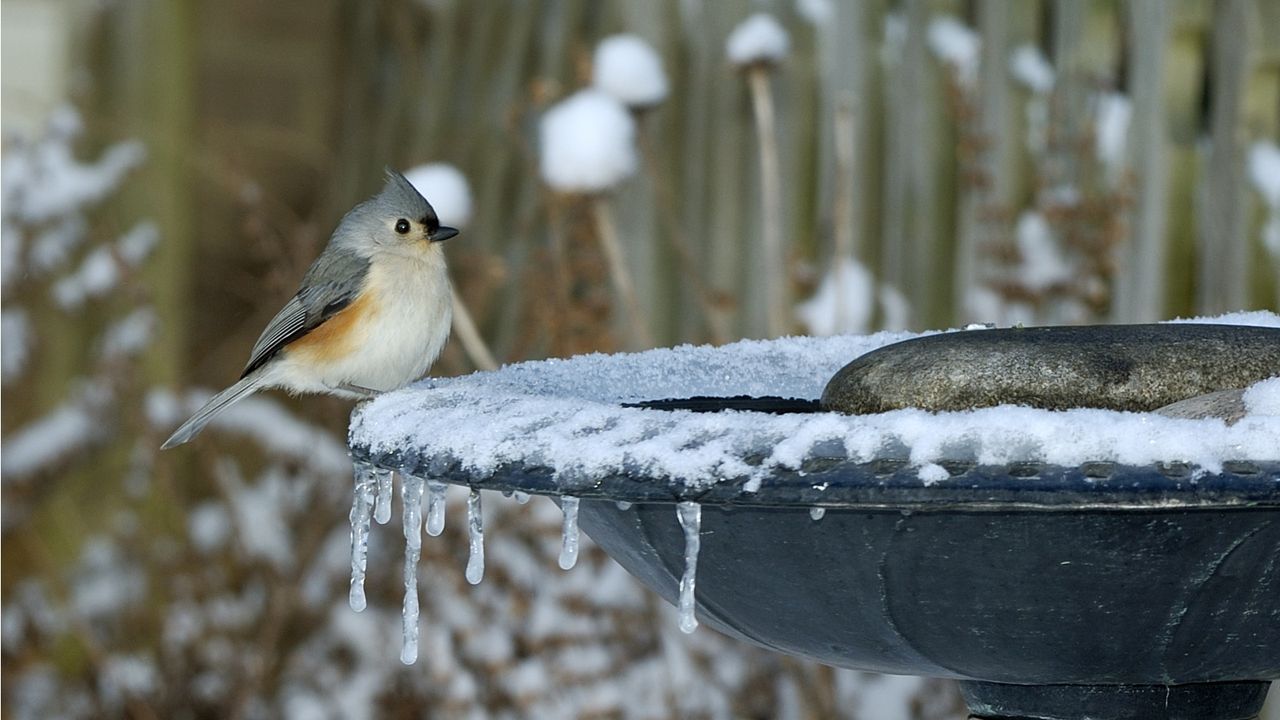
[{"x": 442, "y": 233}]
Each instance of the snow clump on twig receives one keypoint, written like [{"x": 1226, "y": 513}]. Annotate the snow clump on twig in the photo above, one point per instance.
[
  {"x": 588, "y": 143},
  {"x": 758, "y": 39},
  {"x": 629, "y": 69}
]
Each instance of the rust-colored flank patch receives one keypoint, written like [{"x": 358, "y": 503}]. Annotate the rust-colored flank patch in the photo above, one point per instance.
[{"x": 337, "y": 336}]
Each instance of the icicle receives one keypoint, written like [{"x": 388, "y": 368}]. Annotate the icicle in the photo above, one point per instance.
[
  {"x": 623, "y": 505},
  {"x": 816, "y": 513},
  {"x": 361, "y": 504},
  {"x": 569, "y": 533},
  {"x": 690, "y": 515},
  {"x": 521, "y": 497},
  {"x": 435, "y": 507},
  {"x": 411, "y": 499},
  {"x": 475, "y": 534},
  {"x": 382, "y": 506}
]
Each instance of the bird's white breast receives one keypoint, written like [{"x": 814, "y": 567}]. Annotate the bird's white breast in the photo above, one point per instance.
[{"x": 404, "y": 315}]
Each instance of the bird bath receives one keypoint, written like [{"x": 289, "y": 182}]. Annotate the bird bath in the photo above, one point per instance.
[{"x": 1085, "y": 563}]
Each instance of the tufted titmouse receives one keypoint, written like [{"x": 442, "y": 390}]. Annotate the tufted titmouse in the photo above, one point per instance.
[{"x": 372, "y": 314}]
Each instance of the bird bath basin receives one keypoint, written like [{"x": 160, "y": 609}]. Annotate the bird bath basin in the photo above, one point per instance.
[{"x": 1075, "y": 564}]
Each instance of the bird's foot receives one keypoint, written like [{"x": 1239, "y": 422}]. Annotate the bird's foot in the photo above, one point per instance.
[{"x": 362, "y": 393}]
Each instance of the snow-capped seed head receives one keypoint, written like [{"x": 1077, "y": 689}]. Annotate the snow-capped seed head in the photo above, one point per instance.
[
  {"x": 956, "y": 44},
  {"x": 1031, "y": 68},
  {"x": 760, "y": 39},
  {"x": 629, "y": 69},
  {"x": 446, "y": 188},
  {"x": 1264, "y": 171},
  {"x": 588, "y": 143}
]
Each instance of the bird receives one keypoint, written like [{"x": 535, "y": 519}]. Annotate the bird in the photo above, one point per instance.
[{"x": 372, "y": 313}]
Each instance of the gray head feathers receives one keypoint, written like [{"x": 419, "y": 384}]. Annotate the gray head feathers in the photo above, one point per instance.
[
  {"x": 399, "y": 196},
  {"x": 398, "y": 199}
]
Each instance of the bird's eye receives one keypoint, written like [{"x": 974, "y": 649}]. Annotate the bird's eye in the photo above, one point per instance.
[{"x": 402, "y": 226}]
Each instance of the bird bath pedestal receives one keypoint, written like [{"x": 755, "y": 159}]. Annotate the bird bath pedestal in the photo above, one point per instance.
[{"x": 1099, "y": 589}]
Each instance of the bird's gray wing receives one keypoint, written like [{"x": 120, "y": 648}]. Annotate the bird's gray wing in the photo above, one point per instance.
[{"x": 331, "y": 283}]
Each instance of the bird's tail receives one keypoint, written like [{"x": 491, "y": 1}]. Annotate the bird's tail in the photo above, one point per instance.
[{"x": 216, "y": 404}]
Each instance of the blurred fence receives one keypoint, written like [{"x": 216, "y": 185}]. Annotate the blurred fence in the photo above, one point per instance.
[{"x": 1074, "y": 161}]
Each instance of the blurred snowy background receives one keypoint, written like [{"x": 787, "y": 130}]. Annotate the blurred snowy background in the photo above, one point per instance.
[{"x": 629, "y": 174}]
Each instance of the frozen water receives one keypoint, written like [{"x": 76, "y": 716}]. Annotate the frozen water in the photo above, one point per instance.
[
  {"x": 521, "y": 497},
  {"x": 475, "y": 538},
  {"x": 411, "y": 499},
  {"x": 817, "y": 513},
  {"x": 361, "y": 505},
  {"x": 758, "y": 39},
  {"x": 690, "y": 515},
  {"x": 435, "y": 507},
  {"x": 588, "y": 143},
  {"x": 565, "y": 415},
  {"x": 569, "y": 533},
  {"x": 629, "y": 69},
  {"x": 1111, "y": 129},
  {"x": 382, "y": 503},
  {"x": 446, "y": 188},
  {"x": 623, "y": 505}
]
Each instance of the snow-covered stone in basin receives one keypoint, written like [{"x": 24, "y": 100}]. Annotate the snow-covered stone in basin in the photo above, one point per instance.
[{"x": 566, "y": 415}]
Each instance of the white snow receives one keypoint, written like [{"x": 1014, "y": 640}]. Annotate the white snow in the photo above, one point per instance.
[
  {"x": 61, "y": 432},
  {"x": 446, "y": 188},
  {"x": 1031, "y": 68},
  {"x": 1111, "y": 129},
  {"x": 818, "y": 12},
  {"x": 129, "y": 335},
  {"x": 629, "y": 69},
  {"x": 209, "y": 526},
  {"x": 957, "y": 45},
  {"x": 758, "y": 39},
  {"x": 15, "y": 340},
  {"x": 1263, "y": 399},
  {"x": 1042, "y": 264},
  {"x": 843, "y": 301},
  {"x": 1264, "y": 171},
  {"x": 588, "y": 143},
  {"x": 931, "y": 473},
  {"x": 565, "y": 415}
]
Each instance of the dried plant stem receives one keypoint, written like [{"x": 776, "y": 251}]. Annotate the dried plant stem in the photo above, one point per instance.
[
  {"x": 472, "y": 342},
  {"x": 717, "y": 320},
  {"x": 776, "y": 274},
  {"x": 608, "y": 231},
  {"x": 843, "y": 209}
]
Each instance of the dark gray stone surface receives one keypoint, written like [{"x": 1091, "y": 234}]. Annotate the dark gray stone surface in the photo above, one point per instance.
[
  {"x": 1117, "y": 367},
  {"x": 1227, "y": 405}
]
